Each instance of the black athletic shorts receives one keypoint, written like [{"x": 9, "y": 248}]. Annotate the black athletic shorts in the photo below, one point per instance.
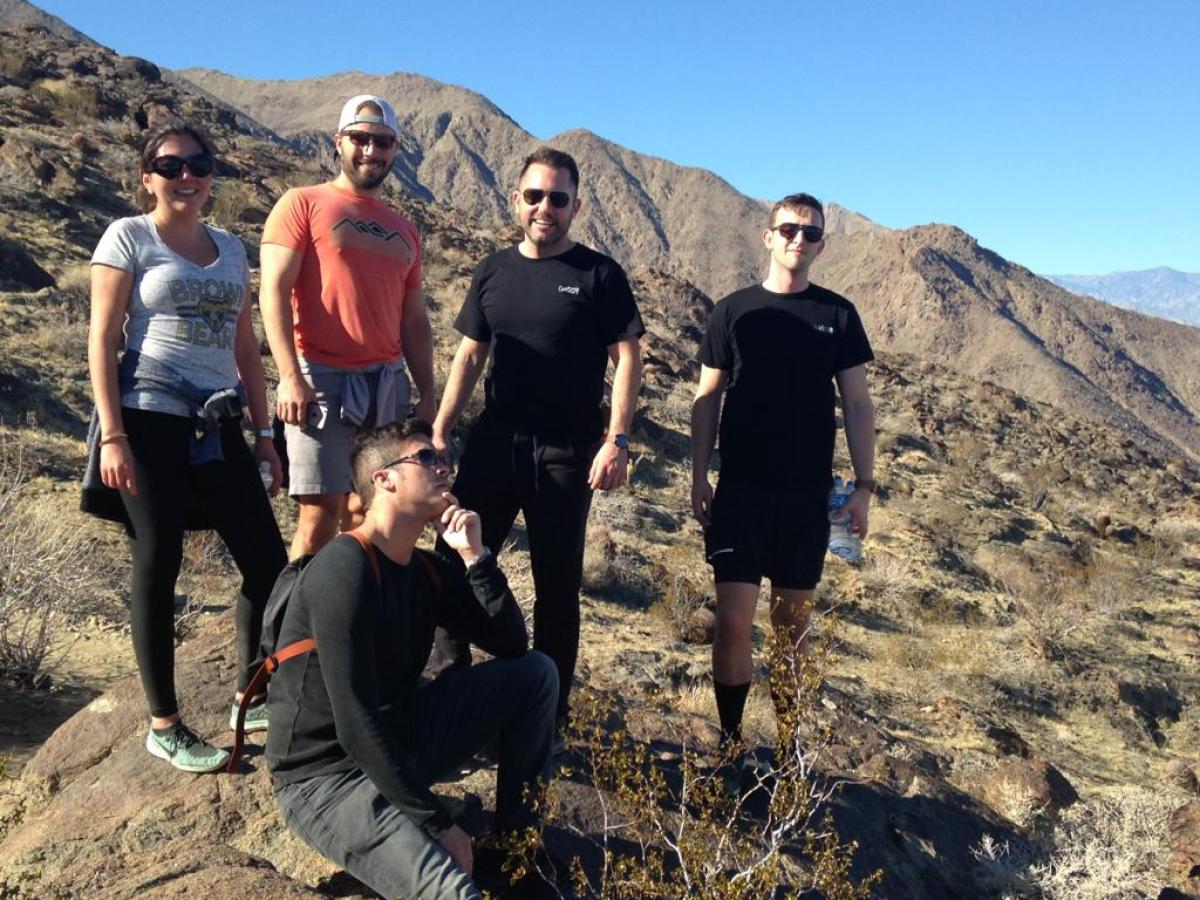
[{"x": 777, "y": 533}]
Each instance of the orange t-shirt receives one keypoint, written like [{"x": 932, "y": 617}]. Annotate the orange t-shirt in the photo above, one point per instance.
[{"x": 360, "y": 259}]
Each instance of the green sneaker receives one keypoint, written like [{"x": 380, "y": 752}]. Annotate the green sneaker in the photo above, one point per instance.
[
  {"x": 256, "y": 716},
  {"x": 183, "y": 749}
]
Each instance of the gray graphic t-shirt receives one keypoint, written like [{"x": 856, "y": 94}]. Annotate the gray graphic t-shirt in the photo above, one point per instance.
[{"x": 180, "y": 314}]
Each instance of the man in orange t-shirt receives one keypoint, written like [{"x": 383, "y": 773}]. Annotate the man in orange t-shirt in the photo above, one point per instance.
[{"x": 342, "y": 307}]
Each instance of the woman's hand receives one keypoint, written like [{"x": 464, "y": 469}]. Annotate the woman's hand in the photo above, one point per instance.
[{"x": 116, "y": 466}]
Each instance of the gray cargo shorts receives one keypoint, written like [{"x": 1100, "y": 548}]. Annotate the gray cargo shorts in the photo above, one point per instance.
[{"x": 319, "y": 453}]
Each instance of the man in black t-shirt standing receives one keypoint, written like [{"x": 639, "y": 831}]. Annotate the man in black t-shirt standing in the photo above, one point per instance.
[
  {"x": 552, "y": 313},
  {"x": 779, "y": 347}
]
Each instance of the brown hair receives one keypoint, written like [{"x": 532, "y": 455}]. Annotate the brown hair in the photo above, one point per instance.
[
  {"x": 375, "y": 449},
  {"x": 145, "y": 200},
  {"x": 794, "y": 202},
  {"x": 555, "y": 159}
]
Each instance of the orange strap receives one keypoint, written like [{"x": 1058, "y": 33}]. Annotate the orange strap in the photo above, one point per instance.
[{"x": 297, "y": 648}]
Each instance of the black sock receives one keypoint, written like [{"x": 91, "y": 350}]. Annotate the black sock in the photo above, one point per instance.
[
  {"x": 731, "y": 703},
  {"x": 163, "y": 732}
]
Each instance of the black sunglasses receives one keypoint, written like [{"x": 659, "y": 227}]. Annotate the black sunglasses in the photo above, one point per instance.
[
  {"x": 426, "y": 456},
  {"x": 362, "y": 138},
  {"x": 168, "y": 166},
  {"x": 789, "y": 230},
  {"x": 534, "y": 196}
]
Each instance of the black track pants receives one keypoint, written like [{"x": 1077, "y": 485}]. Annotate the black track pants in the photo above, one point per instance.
[{"x": 502, "y": 472}]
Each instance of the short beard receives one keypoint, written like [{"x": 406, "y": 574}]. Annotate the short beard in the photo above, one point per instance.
[{"x": 366, "y": 182}]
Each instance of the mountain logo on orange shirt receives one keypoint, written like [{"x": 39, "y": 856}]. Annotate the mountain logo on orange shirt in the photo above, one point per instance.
[{"x": 372, "y": 228}]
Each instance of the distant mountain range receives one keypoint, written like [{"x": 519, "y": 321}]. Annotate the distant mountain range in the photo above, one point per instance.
[{"x": 1163, "y": 292}]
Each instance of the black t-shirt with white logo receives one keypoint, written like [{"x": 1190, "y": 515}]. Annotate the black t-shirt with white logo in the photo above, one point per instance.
[
  {"x": 781, "y": 352},
  {"x": 550, "y": 321}
]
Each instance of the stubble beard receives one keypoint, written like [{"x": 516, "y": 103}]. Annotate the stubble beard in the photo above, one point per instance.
[{"x": 367, "y": 182}]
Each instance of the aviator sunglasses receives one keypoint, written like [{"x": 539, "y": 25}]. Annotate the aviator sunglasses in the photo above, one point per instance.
[
  {"x": 169, "y": 166},
  {"x": 789, "y": 230},
  {"x": 534, "y": 196},
  {"x": 426, "y": 456},
  {"x": 363, "y": 138}
]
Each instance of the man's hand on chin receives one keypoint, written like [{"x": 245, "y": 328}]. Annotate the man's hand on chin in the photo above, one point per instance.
[{"x": 461, "y": 530}]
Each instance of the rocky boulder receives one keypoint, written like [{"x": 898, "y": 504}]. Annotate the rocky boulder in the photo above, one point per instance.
[{"x": 94, "y": 815}]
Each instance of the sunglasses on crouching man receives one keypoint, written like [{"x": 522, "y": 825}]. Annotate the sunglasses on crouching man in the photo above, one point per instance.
[
  {"x": 169, "y": 166},
  {"x": 426, "y": 456},
  {"x": 534, "y": 196},
  {"x": 789, "y": 230}
]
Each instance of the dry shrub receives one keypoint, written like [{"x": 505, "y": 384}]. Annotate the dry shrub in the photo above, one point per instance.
[
  {"x": 74, "y": 101},
  {"x": 1108, "y": 848},
  {"x": 1054, "y": 606},
  {"x": 676, "y": 830},
  {"x": 231, "y": 200},
  {"x": 48, "y": 574},
  {"x": 888, "y": 581}
]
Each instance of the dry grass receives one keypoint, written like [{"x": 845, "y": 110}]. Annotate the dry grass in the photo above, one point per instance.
[
  {"x": 50, "y": 575},
  {"x": 1107, "y": 848}
]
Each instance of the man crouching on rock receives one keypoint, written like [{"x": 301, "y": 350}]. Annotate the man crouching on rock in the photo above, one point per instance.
[{"x": 355, "y": 740}]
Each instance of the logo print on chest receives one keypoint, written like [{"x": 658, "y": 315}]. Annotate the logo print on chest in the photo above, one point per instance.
[
  {"x": 569, "y": 289},
  {"x": 372, "y": 228}
]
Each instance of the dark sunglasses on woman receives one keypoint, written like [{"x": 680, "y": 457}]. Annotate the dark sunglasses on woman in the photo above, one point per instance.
[{"x": 168, "y": 166}]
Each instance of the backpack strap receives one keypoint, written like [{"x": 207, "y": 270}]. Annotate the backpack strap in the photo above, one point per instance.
[
  {"x": 368, "y": 548},
  {"x": 254, "y": 688},
  {"x": 297, "y": 648}
]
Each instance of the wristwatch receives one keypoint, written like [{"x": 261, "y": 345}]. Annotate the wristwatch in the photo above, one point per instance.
[{"x": 621, "y": 441}]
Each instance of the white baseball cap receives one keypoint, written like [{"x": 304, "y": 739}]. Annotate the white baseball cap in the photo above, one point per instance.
[{"x": 351, "y": 115}]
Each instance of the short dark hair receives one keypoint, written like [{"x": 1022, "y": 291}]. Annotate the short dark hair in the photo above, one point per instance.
[
  {"x": 375, "y": 449},
  {"x": 145, "y": 200},
  {"x": 794, "y": 202},
  {"x": 555, "y": 159}
]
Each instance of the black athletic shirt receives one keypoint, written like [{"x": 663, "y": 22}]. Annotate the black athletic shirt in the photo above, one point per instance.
[
  {"x": 349, "y": 703},
  {"x": 781, "y": 352},
  {"x": 551, "y": 322}
]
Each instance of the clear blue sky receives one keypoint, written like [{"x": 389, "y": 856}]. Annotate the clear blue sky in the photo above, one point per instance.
[{"x": 1063, "y": 134}]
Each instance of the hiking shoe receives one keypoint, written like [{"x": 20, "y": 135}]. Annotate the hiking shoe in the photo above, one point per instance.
[
  {"x": 256, "y": 716},
  {"x": 182, "y": 748},
  {"x": 749, "y": 772}
]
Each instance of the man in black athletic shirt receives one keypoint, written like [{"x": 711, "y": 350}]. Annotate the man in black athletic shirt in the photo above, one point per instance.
[
  {"x": 553, "y": 313},
  {"x": 779, "y": 346},
  {"x": 355, "y": 739}
]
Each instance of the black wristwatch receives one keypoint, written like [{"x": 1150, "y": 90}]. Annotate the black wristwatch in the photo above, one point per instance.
[{"x": 621, "y": 441}]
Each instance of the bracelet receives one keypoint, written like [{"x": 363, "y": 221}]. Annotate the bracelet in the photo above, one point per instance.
[
  {"x": 265, "y": 433},
  {"x": 113, "y": 437},
  {"x": 870, "y": 485}
]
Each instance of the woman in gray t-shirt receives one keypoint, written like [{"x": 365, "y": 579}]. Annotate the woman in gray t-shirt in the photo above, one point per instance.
[{"x": 173, "y": 293}]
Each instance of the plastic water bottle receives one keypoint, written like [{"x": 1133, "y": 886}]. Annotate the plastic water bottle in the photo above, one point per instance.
[
  {"x": 264, "y": 472},
  {"x": 842, "y": 543}
]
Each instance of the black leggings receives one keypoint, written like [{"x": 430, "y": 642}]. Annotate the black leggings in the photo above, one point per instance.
[
  {"x": 501, "y": 473},
  {"x": 230, "y": 496}
]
